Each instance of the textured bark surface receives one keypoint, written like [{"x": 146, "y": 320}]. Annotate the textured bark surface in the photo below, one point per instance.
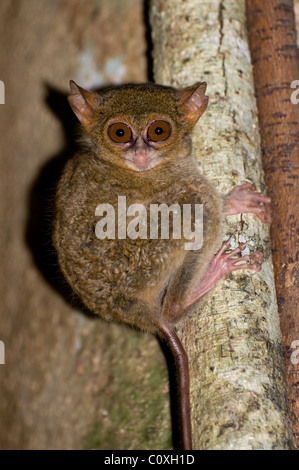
[
  {"x": 238, "y": 390},
  {"x": 275, "y": 59},
  {"x": 69, "y": 382}
]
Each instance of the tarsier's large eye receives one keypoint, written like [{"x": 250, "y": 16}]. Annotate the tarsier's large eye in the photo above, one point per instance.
[
  {"x": 120, "y": 133},
  {"x": 159, "y": 131}
]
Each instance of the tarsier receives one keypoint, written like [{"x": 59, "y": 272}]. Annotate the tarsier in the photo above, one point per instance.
[{"x": 136, "y": 142}]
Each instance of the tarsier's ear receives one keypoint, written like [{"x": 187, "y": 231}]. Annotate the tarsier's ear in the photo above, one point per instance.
[
  {"x": 83, "y": 103},
  {"x": 194, "y": 102}
]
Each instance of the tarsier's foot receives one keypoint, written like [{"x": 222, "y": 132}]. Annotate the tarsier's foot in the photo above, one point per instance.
[
  {"x": 245, "y": 199},
  {"x": 224, "y": 263}
]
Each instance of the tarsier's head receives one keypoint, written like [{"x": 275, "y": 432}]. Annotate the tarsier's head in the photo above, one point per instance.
[{"x": 139, "y": 126}]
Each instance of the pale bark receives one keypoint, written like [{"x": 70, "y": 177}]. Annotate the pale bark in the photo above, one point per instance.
[{"x": 238, "y": 389}]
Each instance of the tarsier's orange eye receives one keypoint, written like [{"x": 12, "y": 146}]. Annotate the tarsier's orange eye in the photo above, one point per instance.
[
  {"x": 120, "y": 133},
  {"x": 159, "y": 131}
]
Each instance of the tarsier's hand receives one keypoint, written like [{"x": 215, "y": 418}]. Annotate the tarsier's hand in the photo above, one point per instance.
[{"x": 245, "y": 199}]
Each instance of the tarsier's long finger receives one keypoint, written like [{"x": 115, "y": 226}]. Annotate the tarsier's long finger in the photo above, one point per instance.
[
  {"x": 245, "y": 199},
  {"x": 225, "y": 247},
  {"x": 250, "y": 186},
  {"x": 256, "y": 256},
  {"x": 253, "y": 266},
  {"x": 240, "y": 260},
  {"x": 259, "y": 197},
  {"x": 268, "y": 213},
  {"x": 262, "y": 211},
  {"x": 237, "y": 250}
]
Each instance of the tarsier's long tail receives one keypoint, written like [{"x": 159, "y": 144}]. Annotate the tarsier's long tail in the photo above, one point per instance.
[{"x": 182, "y": 370}]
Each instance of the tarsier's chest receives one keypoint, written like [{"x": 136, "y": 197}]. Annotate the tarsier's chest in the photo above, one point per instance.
[{"x": 138, "y": 235}]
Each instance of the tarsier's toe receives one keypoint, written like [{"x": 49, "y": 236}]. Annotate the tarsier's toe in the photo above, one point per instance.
[
  {"x": 265, "y": 216},
  {"x": 241, "y": 247},
  {"x": 255, "y": 266},
  {"x": 250, "y": 186},
  {"x": 230, "y": 261},
  {"x": 257, "y": 255},
  {"x": 268, "y": 214}
]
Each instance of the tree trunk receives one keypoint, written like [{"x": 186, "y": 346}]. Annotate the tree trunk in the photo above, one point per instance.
[
  {"x": 275, "y": 58},
  {"x": 69, "y": 382},
  {"x": 238, "y": 389}
]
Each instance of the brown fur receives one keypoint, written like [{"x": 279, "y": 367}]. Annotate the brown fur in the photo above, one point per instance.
[{"x": 141, "y": 282}]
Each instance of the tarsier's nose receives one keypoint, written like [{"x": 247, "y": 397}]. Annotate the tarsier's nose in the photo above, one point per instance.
[
  {"x": 141, "y": 156},
  {"x": 140, "y": 146}
]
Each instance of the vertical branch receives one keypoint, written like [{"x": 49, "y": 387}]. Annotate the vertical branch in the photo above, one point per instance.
[{"x": 276, "y": 65}]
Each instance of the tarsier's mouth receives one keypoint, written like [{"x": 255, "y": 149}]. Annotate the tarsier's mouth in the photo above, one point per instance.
[
  {"x": 139, "y": 155},
  {"x": 140, "y": 162}
]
